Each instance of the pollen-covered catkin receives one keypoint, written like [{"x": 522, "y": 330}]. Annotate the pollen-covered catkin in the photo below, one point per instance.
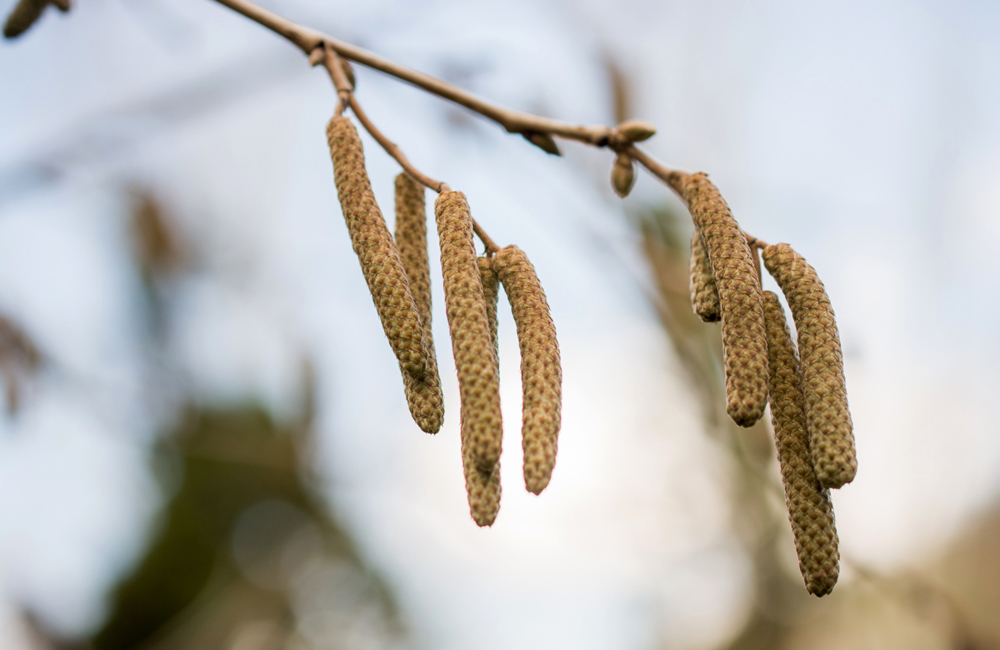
[
  {"x": 828, "y": 420},
  {"x": 483, "y": 488},
  {"x": 423, "y": 394},
  {"x": 743, "y": 341},
  {"x": 491, "y": 294},
  {"x": 23, "y": 16},
  {"x": 465, "y": 305},
  {"x": 704, "y": 293},
  {"x": 810, "y": 510},
  {"x": 375, "y": 248},
  {"x": 541, "y": 370}
]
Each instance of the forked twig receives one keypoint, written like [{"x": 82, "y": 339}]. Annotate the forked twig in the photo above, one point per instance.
[
  {"x": 526, "y": 124},
  {"x": 345, "y": 91}
]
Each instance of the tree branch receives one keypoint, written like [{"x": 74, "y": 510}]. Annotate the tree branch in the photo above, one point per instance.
[
  {"x": 532, "y": 127},
  {"x": 513, "y": 121}
]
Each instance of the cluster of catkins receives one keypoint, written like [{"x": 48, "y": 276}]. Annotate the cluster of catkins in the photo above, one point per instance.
[
  {"x": 397, "y": 271},
  {"x": 805, "y": 383}
]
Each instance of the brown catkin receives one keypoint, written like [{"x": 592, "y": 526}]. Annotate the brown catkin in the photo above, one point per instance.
[
  {"x": 704, "y": 292},
  {"x": 828, "y": 420},
  {"x": 483, "y": 489},
  {"x": 423, "y": 395},
  {"x": 491, "y": 294},
  {"x": 810, "y": 510},
  {"x": 541, "y": 370},
  {"x": 23, "y": 16},
  {"x": 743, "y": 341},
  {"x": 375, "y": 248},
  {"x": 465, "y": 305}
]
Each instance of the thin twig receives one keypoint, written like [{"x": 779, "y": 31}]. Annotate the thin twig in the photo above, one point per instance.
[
  {"x": 393, "y": 150},
  {"x": 334, "y": 66},
  {"x": 513, "y": 121},
  {"x": 308, "y": 40},
  {"x": 325, "y": 54},
  {"x": 491, "y": 246},
  {"x": 438, "y": 186}
]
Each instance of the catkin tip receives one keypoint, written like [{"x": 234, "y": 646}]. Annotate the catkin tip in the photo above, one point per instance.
[
  {"x": 704, "y": 292},
  {"x": 21, "y": 18},
  {"x": 483, "y": 490}
]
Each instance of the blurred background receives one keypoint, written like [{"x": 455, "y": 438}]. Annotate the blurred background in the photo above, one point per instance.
[{"x": 205, "y": 443}]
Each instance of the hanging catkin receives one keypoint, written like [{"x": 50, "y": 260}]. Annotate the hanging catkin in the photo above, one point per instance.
[
  {"x": 810, "y": 510},
  {"x": 541, "y": 371},
  {"x": 23, "y": 16},
  {"x": 831, "y": 438},
  {"x": 423, "y": 395},
  {"x": 465, "y": 305},
  {"x": 704, "y": 293},
  {"x": 483, "y": 488},
  {"x": 743, "y": 341},
  {"x": 375, "y": 248}
]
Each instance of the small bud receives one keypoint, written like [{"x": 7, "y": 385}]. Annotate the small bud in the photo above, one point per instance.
[
  {"x": 636, "y": 130},
  {"x": 543, "y": 141},
  {"x": 623, "y": 175},
  {"x": 61, "y": 5}
]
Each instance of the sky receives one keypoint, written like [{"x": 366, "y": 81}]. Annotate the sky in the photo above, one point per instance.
[{"x": 864, "y": 133}]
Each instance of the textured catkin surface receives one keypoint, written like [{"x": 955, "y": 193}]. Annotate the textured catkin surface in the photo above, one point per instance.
[
  {"x": 483, "y": 488},
  {"x": 541, "y": 370},
  {"x": 743, "y": 342},
  {"x": 704, "y": 293},
  {"x": 491, "y": 294},
  {"x": 23, "y": 16},
  {"x": 423, "y": 394},
  {"x": 375, "y": 248},
  {"x": 478, "y": 379},
  {"x": 831, "y": 435},
  {"x": 810, "y": 510}
]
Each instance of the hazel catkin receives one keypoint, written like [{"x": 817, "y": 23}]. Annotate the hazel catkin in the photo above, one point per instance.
[
  {"x": 491, "y": 294},
  {"x": 828, "y": 420},
  {"x": 810, "y": 510},
  {"x": 375, "y": 248},
  {"x": 743, "y": 340},
  {"x": 704, "y": 292},
  {"x": 483, "y": 488},
  {"x": 24, "y": 14},
  {"x": 541, "y": 370},
  {"x": 423, "y": 394},
  {"x": 465, "y": 305}
]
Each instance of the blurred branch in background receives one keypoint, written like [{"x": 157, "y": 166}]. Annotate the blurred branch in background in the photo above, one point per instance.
[
  {"x": 111, "y": 134},
  {"x": 952, "y": 605},
  {"x": 246, "y": 553},
  {"x": 20, "y": 360}
]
